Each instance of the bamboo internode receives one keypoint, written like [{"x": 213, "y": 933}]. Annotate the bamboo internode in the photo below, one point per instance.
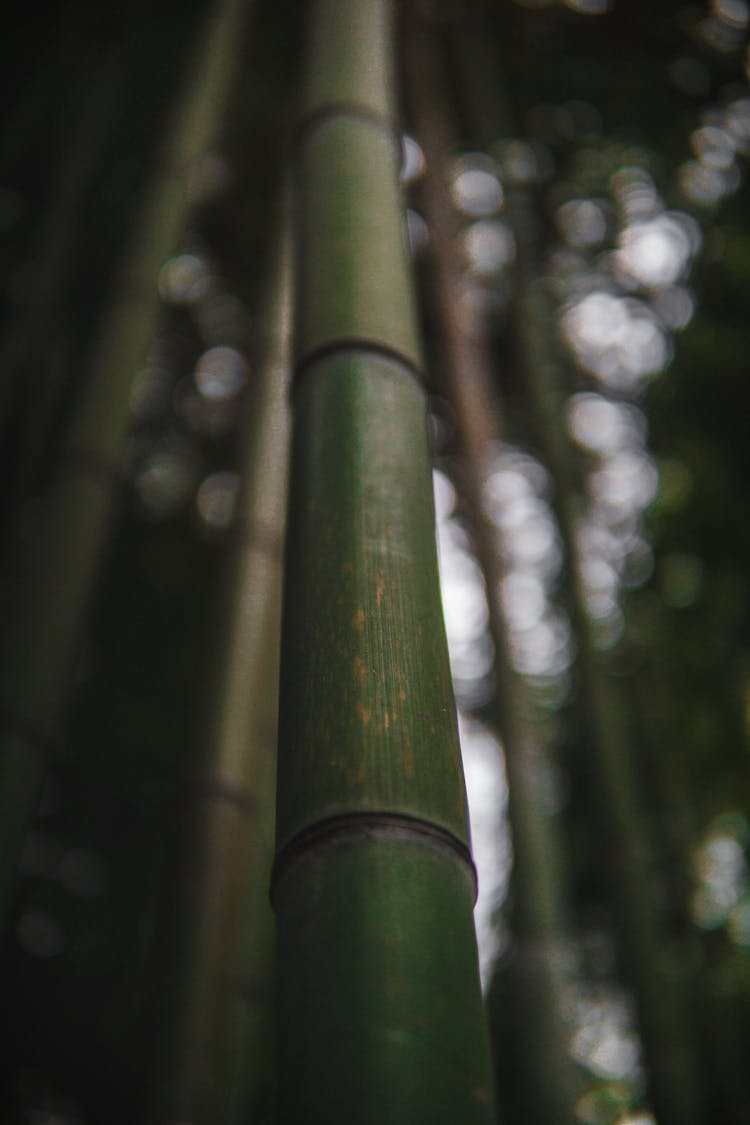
[{"x": 374, "y": 884}]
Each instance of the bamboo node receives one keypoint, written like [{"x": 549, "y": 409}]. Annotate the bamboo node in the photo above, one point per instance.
[
  {"x": 360, "y": 345},
  {"x": 352, "y": 111},
  {"x": 347, "y": 828}
]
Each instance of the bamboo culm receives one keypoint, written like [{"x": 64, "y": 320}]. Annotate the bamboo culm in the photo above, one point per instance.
[
  {"x": 540, "y": 930},
  {"x": 59, "y": 561},
  {"x": 225, "y": 978},
  {"x": 662, "y": 998},
  {"x": 27, "y": 349},
  {"x": 380, "y": 1012}
]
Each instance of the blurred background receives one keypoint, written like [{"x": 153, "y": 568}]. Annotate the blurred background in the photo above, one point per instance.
[{"x": 575, "y": 178}]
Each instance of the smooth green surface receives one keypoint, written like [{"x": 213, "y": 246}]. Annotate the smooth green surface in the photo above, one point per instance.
[
  {"x": 352, "y": 256},
  {"x": 380, "y": 1014},
  {"x": 368, "y": 719},
  {"x": 382, "y": 1023},
  {"x": 350, "y": 63}
]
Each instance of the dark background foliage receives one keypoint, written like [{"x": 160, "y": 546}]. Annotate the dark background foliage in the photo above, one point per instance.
[{"x": 85, "y": 972}]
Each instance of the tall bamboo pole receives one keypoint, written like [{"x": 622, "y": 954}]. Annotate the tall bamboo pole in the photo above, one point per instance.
[
  {"x": 654, "y": 968},
  {"x": 225, "y": 978},
  {"x": 651, "y": 961},
  {"x": 547, "y": 1087},
  {"x": 58, "y": 565},
  {"x": 37, "y": 325},
  {"x": 380, "y": 1014}
]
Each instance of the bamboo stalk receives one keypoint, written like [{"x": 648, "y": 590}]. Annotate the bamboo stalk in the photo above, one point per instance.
[
  {"x": 662, "y": 995},
  {"x": 26, "y": 349},
  {"x": 216, "y": 1071},
  {"x": 380, "y": 1013},
  {"x": 58, "y": 565},
  {"x": 663, "y": 1002},
  {"x": 539, "y": 926}
]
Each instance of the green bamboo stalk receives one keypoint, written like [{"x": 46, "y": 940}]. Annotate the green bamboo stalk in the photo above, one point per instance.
[
  {"x": 539, "y": 925},
  {"x": 675, "y": 1073},
  {"x": 651, "y": 960},
  {"x": 58, "y": 565},
  {"x": 662, "y": 994},
  {"x": 215, "y": 1075},
  {"x": 380, "y": 1013}
]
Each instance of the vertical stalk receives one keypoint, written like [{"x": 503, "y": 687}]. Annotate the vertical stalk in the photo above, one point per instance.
[
  {"x": 31, "y": 344},
  {"x": 466, "y": 367},
  {"x": 380, "y": 1012},
  {"x": 655, "y": 970},
  {"x": 58, "y": 565},
  {"x": 225, "y": 976},
  {"x": 653, "y": 963}
]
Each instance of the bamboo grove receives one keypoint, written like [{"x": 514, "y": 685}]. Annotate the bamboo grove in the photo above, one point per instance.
[{"x": 290, "y": 292}]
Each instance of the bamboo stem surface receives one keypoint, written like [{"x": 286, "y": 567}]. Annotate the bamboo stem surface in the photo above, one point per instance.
[{"x": 380, "y": 1013}]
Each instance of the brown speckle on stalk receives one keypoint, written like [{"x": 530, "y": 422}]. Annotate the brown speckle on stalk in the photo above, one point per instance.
[
  {"x": 358, "y": 621},
  {"x": 408, "y": 758},
  {"x": 363, "y": 712}
]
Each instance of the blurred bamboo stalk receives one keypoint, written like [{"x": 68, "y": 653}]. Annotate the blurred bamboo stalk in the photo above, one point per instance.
[
  {"x": 538, "y": 925},
  {"x": 650, "y": 957},
  {"x": 26, "y": 352},
  {"x": 58, "y": 565},
  {"x": 380, "y": 1013},
  {"x": 219, "y": 1068},
  {"x": 675, "y": 1076}
]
